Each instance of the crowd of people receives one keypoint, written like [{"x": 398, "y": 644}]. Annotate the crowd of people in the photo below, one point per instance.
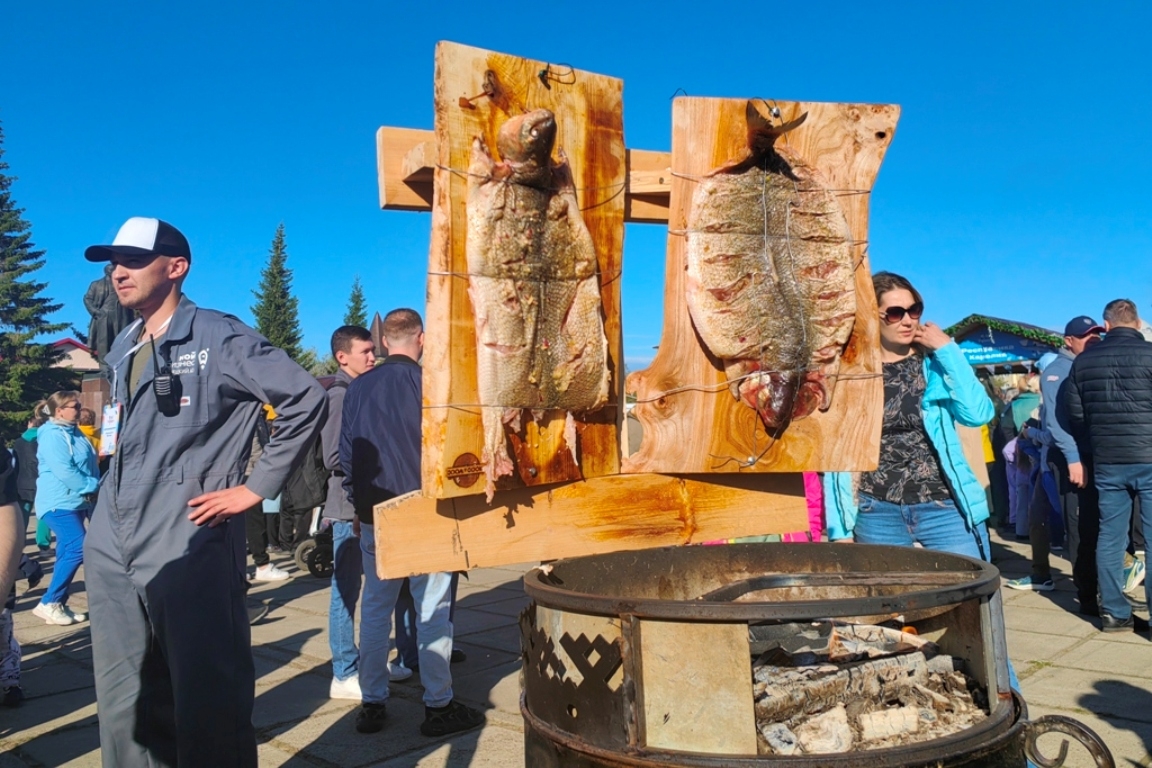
[
  {"x": 1079, "y": 414},
  {"x": 209, "y": 428}
]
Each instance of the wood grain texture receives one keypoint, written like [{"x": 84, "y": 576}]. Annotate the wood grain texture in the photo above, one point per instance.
[
  {"x": 406, "y": 183},
  {"x": 691, "y": 422},
  {"x": 697, "y": 685},
  {"x": 588, "y": 110},
  {"x": 416, "y": 534}
]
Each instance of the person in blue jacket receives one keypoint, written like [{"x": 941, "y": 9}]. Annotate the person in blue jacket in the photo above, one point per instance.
[
  {"x": 923, "y": 491},
  {"x": 65, "y": 490}
]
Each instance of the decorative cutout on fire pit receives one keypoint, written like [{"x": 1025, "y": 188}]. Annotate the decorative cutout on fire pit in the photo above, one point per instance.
[{"x": 577, "y": 681}]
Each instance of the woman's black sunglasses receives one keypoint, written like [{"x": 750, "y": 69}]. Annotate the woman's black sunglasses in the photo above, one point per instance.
[{"x": 896, "y": 314}]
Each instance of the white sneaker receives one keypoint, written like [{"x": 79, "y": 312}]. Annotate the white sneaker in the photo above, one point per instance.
[
  {"x": 345, "y": 689},
  {"x": 53, "y": 613},
  {"x": 76, "y": 617},
  {"x": 269, "y": 572},
  {"x": 398, "y": 672}
]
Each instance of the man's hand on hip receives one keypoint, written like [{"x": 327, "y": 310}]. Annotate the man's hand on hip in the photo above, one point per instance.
[
  {"x": 212, "y": 508},
  {"x": 1076, "y": 474}
]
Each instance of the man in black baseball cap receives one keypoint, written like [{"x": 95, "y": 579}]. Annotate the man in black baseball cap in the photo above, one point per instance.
[
  {"x": 142, "y": 236},
  {"x": 1082, "y": 327}
]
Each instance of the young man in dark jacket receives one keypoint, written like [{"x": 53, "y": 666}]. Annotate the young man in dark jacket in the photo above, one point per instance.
[{"x": 1109, "y": 399}]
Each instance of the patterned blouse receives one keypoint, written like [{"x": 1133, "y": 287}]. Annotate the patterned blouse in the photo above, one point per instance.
[{"x": 909, "y": 470}]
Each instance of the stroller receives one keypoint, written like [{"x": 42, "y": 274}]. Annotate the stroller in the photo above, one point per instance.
[{"x": 315, "y": 554}]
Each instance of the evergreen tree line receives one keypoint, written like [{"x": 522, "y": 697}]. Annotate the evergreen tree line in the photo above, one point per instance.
[
  {"x": 277, "y": 310},
  {"x": 27, "y": 372}
]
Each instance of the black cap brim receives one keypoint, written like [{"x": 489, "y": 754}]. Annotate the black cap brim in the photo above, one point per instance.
[{"x": 106, "y": 252}]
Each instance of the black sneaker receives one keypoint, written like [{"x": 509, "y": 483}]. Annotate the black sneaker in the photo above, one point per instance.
[
  {"x": 13, "y": 696},
  {"x": 1133, "y": 622},
  {"x": 454, "y": 718},
  {"x": 370, "y": 718},
  {"x": 458, "y": 656}
]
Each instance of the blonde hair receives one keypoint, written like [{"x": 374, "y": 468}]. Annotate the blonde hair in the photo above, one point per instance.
[
  {"x": 40, "y": 414},
  {"x": 58, "y": 399}
]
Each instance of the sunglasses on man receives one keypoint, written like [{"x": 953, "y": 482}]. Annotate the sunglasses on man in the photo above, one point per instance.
[{"x": 896, "y": 314}]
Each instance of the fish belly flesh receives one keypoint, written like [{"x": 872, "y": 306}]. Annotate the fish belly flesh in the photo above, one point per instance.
[{"x": 771, "y": 284}]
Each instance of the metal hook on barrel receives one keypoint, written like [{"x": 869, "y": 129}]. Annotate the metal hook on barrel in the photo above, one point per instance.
[
  {"x": 1069, "y": 727},
  {"x": 557, "y": 75}
]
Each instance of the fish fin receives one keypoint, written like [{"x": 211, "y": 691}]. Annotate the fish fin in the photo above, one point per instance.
[
  {"x": 760, "y": 126},
  {"x": 570, "y": 435},
  {"x": 497, "y": 463},
  {"x": 481, "y": 164}
]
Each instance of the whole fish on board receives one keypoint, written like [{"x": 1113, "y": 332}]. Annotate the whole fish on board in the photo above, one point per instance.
[
  {"x": 534, "y": 287},
  {"x": 771, "y": 286}
]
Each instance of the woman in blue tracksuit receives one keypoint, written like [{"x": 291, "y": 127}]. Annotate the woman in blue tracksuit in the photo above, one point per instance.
[
  {"x": 65, "y": 490},
  {"x": 923, "y": 491}
]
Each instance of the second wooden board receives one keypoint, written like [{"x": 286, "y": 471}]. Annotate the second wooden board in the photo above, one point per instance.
[{"x": 691, "y": 420}]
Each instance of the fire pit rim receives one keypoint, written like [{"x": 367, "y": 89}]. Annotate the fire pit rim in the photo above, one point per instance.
[{"x": 540, "y": 585}]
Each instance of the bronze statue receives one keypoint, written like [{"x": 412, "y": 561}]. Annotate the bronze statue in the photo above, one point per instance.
[{"x": 109, "y": 317}]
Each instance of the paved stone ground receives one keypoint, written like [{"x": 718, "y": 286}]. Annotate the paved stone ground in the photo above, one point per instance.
[{"x": 1065, "y": 664}]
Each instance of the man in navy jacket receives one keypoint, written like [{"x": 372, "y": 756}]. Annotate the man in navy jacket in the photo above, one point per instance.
[{"x": 380, "y": 447}]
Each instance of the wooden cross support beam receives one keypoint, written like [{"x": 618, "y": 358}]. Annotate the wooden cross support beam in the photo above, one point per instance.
[{"x": 406, "y": 157}]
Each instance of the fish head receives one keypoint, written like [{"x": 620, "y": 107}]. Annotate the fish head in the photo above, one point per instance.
[{"x": 528, "y": 138}]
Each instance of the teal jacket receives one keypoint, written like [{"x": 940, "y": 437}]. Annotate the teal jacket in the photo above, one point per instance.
[
  {"x": 68, "y": 468},
  {"x": 952, "y": 394}
]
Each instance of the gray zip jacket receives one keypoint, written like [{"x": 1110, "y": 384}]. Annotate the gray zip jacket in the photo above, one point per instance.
[
  {"x": 337, "y": 506},
  {"x": 226, "y": 372}
]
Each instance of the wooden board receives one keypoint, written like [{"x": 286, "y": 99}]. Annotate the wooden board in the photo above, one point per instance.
[
  {"x": 691, "y": 422},
  {"x": 607, "y": 514},
  {"x": 406, "y": 158},
  {"x": 697, "y": 683},
  {"x": 589, "y": 116}
]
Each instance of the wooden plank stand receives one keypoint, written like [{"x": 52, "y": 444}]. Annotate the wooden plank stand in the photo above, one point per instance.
[{"x": 566, "y": 499}]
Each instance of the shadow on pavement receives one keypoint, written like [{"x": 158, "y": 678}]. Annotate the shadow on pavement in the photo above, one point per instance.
[
  {"x": 485, "y": 627},
  {"x": 1114, "y": 701}
]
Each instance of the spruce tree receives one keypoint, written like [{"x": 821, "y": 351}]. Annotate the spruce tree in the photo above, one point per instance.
[
  {"x": 357, "y": 312},
  {"x": 26, "y": 372},
  {"x": 276, "y": 309}
]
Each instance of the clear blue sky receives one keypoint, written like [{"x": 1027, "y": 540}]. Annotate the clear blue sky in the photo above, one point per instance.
[{"x": 1016, "y": 185}]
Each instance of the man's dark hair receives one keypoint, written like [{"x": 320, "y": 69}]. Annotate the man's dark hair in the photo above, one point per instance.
[
  {"x": 1122, "y": 312},
  {"x": 402, "y": 324},
  {"x": 343, "y": 337}
]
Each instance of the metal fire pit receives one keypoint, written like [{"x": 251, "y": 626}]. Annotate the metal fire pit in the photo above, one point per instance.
[{"x": 643, "y": 658}]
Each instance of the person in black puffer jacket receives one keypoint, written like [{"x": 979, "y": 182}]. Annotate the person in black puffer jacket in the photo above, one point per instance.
[{"x": 1109, "y": 402}]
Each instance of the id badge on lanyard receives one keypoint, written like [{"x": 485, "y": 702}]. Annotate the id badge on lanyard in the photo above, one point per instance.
[{"x": 110, "y": 428}]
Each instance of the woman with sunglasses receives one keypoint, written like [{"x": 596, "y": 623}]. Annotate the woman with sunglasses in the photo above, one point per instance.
[
  {"x": 923, "y": 491},
  {"x": 65, "y": 489}
]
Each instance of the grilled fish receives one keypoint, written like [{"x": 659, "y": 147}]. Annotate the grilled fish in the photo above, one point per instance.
[
  {"x": 770, "y": 286},
  {"x": 534, "y": 286}
]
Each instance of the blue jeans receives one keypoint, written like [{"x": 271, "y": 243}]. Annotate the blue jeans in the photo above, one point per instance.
[
  {"x": 406, "y": 622},
  {"x": 430, "y": 593},
  {"x": 68, "y": 525},
  {"x": 1118, "y": 484},
  {"x": 347, "y": 567},
  {"x": 935, "y": 525}
]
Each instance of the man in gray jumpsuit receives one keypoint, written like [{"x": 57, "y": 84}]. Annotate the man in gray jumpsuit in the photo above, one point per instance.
[{"x": 164, "y": 556}]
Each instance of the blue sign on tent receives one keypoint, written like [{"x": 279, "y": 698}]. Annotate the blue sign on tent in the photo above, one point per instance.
[{"x": 986, "y": 348}]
